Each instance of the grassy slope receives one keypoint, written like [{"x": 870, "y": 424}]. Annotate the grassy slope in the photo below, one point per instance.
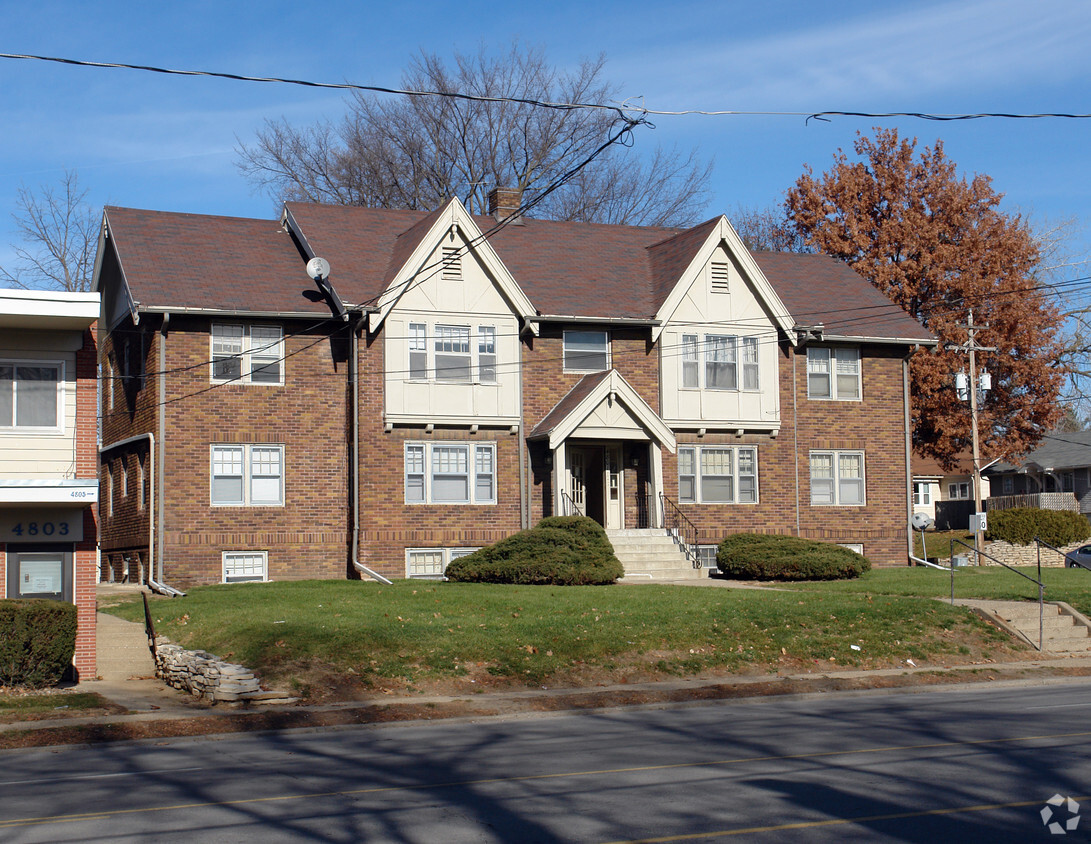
[{"x": 309, "y": 633}]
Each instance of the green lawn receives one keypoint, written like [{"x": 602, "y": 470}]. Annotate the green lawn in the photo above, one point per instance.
[
  {"x": 1071, "y": 585},
  {"x": 315, "y": 633},
  {"x": 27, "y": 707}
]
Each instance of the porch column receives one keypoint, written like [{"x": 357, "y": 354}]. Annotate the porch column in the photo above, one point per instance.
[
  {"x": 560, "y": 462},
  {"x": 655, "y": 477}
]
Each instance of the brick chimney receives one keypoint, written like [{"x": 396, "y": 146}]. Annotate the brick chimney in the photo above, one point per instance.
[{"x": 503, "y": 202}]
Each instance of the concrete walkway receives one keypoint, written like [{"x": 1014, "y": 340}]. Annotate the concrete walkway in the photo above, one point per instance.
[{"x": 126, "y": 670}]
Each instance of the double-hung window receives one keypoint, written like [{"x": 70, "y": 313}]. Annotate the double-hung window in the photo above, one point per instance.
[
  {"x": 586, "y": 351},
  {"x": 833, "y": 373},
  {"x": 714, "y": 362},
  {"x": 452, "y": 346},
  {"x": 837, "y": 478},
  {"x": 250, "y": 354},
  {"x": 718, "y": 475},
  {"x": 958, "y": 491},
  {"x": 922, "y": 494},
  {"x": 450, "y": 473},
  {"x": 454, "y": 354},
  {"x": 248, "y": 475},
  {"x": 30, "y": 395}
]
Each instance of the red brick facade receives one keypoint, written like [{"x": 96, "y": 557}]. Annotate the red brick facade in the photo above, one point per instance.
[{"x": 163, "y": 387}]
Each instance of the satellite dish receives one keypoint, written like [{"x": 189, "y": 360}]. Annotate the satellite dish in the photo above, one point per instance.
[
  {"x": 318, "y": 268},
  {"x": 922, "y": 521}
]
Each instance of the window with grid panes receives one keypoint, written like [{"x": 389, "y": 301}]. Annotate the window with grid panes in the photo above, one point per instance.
[
  {"x": 247, "y": 354},
  {"x": 837, "y": 478}
]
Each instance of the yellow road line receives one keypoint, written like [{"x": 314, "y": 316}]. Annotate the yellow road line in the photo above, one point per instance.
[{"x": 115, "y": 813}]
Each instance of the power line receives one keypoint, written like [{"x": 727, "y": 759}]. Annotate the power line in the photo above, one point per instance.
[{"x": 622, "y": 109}]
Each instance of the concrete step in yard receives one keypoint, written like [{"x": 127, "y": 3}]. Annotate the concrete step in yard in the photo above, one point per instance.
[
  {"x": 650, "y": 555},
  {"x": 1063, "y": 629}
]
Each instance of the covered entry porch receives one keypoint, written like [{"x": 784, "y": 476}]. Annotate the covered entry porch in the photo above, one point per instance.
[{"x": 603, "y": 447}]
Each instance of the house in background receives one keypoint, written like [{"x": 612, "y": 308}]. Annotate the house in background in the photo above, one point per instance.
[
  {"x": 946, "y": 495},
  {"x": 1055, "y": 476},
  {"x": 49, "y": 454},
  {"x": 452, "y": 380}
]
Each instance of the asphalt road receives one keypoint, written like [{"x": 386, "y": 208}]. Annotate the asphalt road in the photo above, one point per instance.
[{"x": 958, "y": 764}]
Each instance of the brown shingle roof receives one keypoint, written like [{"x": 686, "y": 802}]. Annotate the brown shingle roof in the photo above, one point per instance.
[
  {"x": 580, "y": 390},
  {"x": 198, "y": 261},
  {"x": 567, "y": 269}
]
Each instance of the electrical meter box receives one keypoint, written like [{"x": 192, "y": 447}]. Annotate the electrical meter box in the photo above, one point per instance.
[{"x": 979, "y": 522}]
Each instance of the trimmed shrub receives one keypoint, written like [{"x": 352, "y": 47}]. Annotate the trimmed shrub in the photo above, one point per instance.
[
  {"x": 37, "y": 641},
  {"x": 558, "y": 551},
  {"x": 756, "y": 556},
  {"x": 1021, "y": 525}
]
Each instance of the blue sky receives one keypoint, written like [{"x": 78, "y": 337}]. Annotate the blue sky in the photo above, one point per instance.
[{"x": 154, "y": 141}]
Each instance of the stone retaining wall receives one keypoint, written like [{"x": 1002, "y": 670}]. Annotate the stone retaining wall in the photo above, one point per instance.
[
  {"x": 206, "y": 676},
  {"x": 1022, "y": 555}
]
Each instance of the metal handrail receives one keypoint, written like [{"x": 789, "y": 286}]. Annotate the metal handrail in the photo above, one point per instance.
[
  {"x": 682, "y": 529},
  {"x": 569, "y": 505},
  {"x": 1041, "y": 586}
]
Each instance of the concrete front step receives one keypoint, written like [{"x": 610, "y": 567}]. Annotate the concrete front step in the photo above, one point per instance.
[
  {"x": 651, "y": 555},
  {"x": 1063, "y": 629}
]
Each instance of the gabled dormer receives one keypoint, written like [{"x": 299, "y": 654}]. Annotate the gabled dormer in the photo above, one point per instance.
[
  {"x": 718, "y": 329},
  {"x": 451, "y": 315}
]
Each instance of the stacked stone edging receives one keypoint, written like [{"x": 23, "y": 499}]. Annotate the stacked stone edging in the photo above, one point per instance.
[
  {"x": 206, "y": 676},
  {"x": 1021, "y": 555}
]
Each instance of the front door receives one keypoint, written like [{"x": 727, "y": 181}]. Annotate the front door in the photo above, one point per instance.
[
  {"x": 615, "y": 497},
  {"x": 595, "y": 486}
]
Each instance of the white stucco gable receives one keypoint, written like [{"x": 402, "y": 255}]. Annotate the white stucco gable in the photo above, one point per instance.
[
  {"x": 453, "y": 227},
  {"x": 724, "y": 239}
]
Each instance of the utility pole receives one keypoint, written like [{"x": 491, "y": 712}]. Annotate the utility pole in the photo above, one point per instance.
[{"x": 971, "y": 346}]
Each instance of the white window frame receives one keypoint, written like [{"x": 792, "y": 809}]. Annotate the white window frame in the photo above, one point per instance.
[
  {"x": 252, "y": 352},
  {"x": 58, "y": 423},
  {"x": 440, "y": 559},
  {"x": 481, "y": 343},
  {"x": 740, "y": 355},
  {"x": 838, "y": 484},
  {"x": 697, "y": 475},
  {"x": 261, "y": 557},
  {"x": 250, "y": 459},
  {"x": 958, "y": 491},
  {"x": 706, "y": 555},
  {"x": 839, "y": 366},
  {"x": 583, "y": 352},
  {"x": 422, "y": 464},
  {"x": 922, "y": 494},
  {"x": 454, "y": 342}
]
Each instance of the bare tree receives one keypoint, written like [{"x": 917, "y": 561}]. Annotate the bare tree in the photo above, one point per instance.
[
  {"x": 60, "y": 235},
  {"x": 767, "y": 230},
  {"x": 416, "y": 151}
]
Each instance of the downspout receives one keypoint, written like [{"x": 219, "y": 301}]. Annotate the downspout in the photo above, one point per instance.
[
  {"x": 157, "y": 583},
  {"x": 795, "y": 431},
  {"x": 908, "y": 461},
  {"x": 150, "y": 437},
  {"x": 354, "y": 464},
  {"x": 524, "y": 455}
]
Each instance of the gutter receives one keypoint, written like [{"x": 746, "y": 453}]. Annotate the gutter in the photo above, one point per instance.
[
  {"x": 354, "y": 464},
  {"x": 156, "y": 585}
]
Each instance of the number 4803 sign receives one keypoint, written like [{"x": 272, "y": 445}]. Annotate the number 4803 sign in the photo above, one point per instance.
[{"x": 29, "y": 526}]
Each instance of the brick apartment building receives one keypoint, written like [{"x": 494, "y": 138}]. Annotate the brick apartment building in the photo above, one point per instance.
[
  {"x": 49, "y": 454},
  {"x": 445, "y": 380}
]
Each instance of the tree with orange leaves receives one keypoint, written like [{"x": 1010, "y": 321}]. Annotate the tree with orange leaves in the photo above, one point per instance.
[{"x": 938, "y": 245}]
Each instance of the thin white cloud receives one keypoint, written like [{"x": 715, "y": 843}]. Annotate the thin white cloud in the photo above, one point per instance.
[{"x": 915, "y": 55}]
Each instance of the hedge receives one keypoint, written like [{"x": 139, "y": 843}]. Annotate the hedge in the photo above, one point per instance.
[
  {"x": 756, "y": 556},
  {"x": 37, "y": 641},
  {"x": 1022, "y": 525},
  {"x": 558, "y": 551}
]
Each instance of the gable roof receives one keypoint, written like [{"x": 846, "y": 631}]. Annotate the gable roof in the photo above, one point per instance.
[
  {"x": 1058, "y": 450},
  {"x": 193, "y": 261},
  {"x": 818, "y": 289},
  {"x": 564, "y": 269},
  {"x": 586, "y": 395}
]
